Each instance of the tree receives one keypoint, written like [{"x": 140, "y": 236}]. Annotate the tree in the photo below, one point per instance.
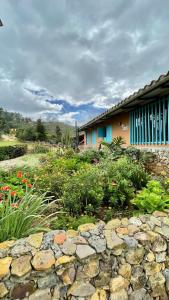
[
  {"x": 27, "y": 134},
  {"x": 58, "y": 134},
  {"x": 40, "y": 130}
]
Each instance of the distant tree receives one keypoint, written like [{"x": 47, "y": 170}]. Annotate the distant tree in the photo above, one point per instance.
[
  {"x": 58, "y": 134},
  {"x": 27, "y": 134},
  {"x": 40, "y": 130},
  {"x": 67, "y": 138}
]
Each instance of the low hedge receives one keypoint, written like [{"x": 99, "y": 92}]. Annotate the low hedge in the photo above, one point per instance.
[{"x": 9, "y": 152}]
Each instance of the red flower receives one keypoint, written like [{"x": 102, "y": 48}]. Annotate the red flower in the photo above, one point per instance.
[
  {"x": 14, "y": 205},
  {"x": 29, "y": 185},
  {"x": 19, "y": 174},
  {"x": 24, "y": 180},
  {"x": 13, "y": 193},
  {"x": 5, "y": 188}
]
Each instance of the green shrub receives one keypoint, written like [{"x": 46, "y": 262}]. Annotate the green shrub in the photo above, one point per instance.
[
  {"x": 40, "y": 148},
  {"x": 67, "y": 222},
  {"x": 55, "y": 173},
  {"x": 24, "y": 217},
  {"x": 152, "y": 198},
  {"x": 91, "y": 156},
  {"x": 121, "y": 180},
  {"x": 9, "y": 152},
  {"x": 84, "y": 187}
]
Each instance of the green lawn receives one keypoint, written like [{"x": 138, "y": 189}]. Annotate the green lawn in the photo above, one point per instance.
[
  {"x": 30, "y": 160},
  {"x": 9, "y": 143}
]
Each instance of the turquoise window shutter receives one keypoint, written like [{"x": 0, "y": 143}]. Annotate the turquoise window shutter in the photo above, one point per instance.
[
  {"x": 108, "y": 137},
  {"x": 101, "y": 132},
  {"x": 87, "y": 138},
  {"x": 94, "y": 137}
]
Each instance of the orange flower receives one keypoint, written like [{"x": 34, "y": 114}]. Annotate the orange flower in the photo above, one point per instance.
[
  {"x": 19, "y": 174},
  {"x": 24, "y": 180},
  {"x": 14, "y": 205},
  {"x": 5, "y": 188},
  {"x": 13, "y": 193},
  {"x": 29, "y": 185}
]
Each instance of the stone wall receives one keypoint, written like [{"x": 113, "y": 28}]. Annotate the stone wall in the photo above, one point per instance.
[
  {"x": 159, "y": 163},
  {"x": 123, "y": 259}
]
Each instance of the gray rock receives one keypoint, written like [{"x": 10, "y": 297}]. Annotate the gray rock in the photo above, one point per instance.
[
  {"x": 81, "y": 289},
  {"x": 135, "y": 221},
  {"x": 98, "y": 243},
  {"x": 68, "y": 248},
  {"x": 159, "y": 245},
  {"x": 48, "y": 281},
  {"x": 161, "y": 257},
  {"x": 41, "y": 294},
  {"x": 138, "y": 295},
  {"x": 48, "y": 239},
  {"x": 83, "y": 251},
  {"x": 130, "y": 241}
]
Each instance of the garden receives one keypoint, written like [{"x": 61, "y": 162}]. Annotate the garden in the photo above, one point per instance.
[{"x": 68, "y": 188}]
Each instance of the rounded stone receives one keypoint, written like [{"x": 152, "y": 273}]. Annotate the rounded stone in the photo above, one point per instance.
[
  {"x": 4, "y": 266},
  {"x": 21, "y": 266},
  {"x": 81, "y": 289},
  {"x": 43, "y": 260},
  {"x": 68, "y": 248},
  {"x": 118, "y": 283},
  {"x": 3, "y": 290}
]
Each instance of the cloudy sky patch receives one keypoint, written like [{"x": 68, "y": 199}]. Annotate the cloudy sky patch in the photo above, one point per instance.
[{"x": 71, "y": 60}]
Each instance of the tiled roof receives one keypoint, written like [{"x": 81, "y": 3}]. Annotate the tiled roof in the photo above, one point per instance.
[{"x": 136, "y": 95}]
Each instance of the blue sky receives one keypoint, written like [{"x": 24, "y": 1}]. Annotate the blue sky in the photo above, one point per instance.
[{"x": 70, "y": 60}]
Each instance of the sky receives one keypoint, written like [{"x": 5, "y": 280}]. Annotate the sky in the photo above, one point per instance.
[{"x": 70, "y": 60}]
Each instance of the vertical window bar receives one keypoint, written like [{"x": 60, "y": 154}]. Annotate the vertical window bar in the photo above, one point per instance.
[
  {"x": 137, "y": 126},
  {"x": 148, "y": 123},
  {"x": 159, "y": 103},
  {"x": 152, "y": 124},
  {"x": 156, "y": 123},
  {"x": 142, "y": 118},
  {"x": 164, "y": 123},
  {"x": 145, "y": 115},
  {"x": 140, "y": 141}
]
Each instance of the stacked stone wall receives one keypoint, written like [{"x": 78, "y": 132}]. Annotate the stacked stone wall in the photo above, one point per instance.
[
  {"x": 159, "y": 162},
  {"x": 123, "y": 259}
]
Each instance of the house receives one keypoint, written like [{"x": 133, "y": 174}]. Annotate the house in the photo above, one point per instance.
[{"x": 142, "y": 119}]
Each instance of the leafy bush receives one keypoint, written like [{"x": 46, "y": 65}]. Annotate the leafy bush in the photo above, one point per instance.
[
  {"x": 91, "y": 156},
  {"x": 8, "y": 152},
  {"x": 121, "y": 179},
  {"x": 68, "y": 222},
  {"x": 151, "y": 198},
  {"x": 83, "y": 188},
  {"x": 23, "y": 217},
  {"x": 40, "y": 148},
  {"x": 55, "y": 173}
]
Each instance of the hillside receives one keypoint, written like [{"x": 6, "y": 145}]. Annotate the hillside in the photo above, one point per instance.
[{"x": 12, "y": 120}]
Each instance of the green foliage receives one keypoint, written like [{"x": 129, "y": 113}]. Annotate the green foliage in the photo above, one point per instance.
[
  {"x": 66, "y": 222},
  {"x": 26, "y": 134},
  {"x": 91, "y": 156},
  {"x": 27, "y": 216},
  {"x": 58, "y": 134},
  {"x": 40, "y": 148},
  {"x": 116, "y": 143},
  {"x": 40, "y": 130},
  {"x": 121, "y": 179},
  {"x": 152, "y": 198},
  {"x": 84, "y": 187},
  {"x": 8, "y": 152}
]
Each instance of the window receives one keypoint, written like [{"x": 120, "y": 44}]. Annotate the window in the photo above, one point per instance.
[{"x": 150, "y": 124}]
